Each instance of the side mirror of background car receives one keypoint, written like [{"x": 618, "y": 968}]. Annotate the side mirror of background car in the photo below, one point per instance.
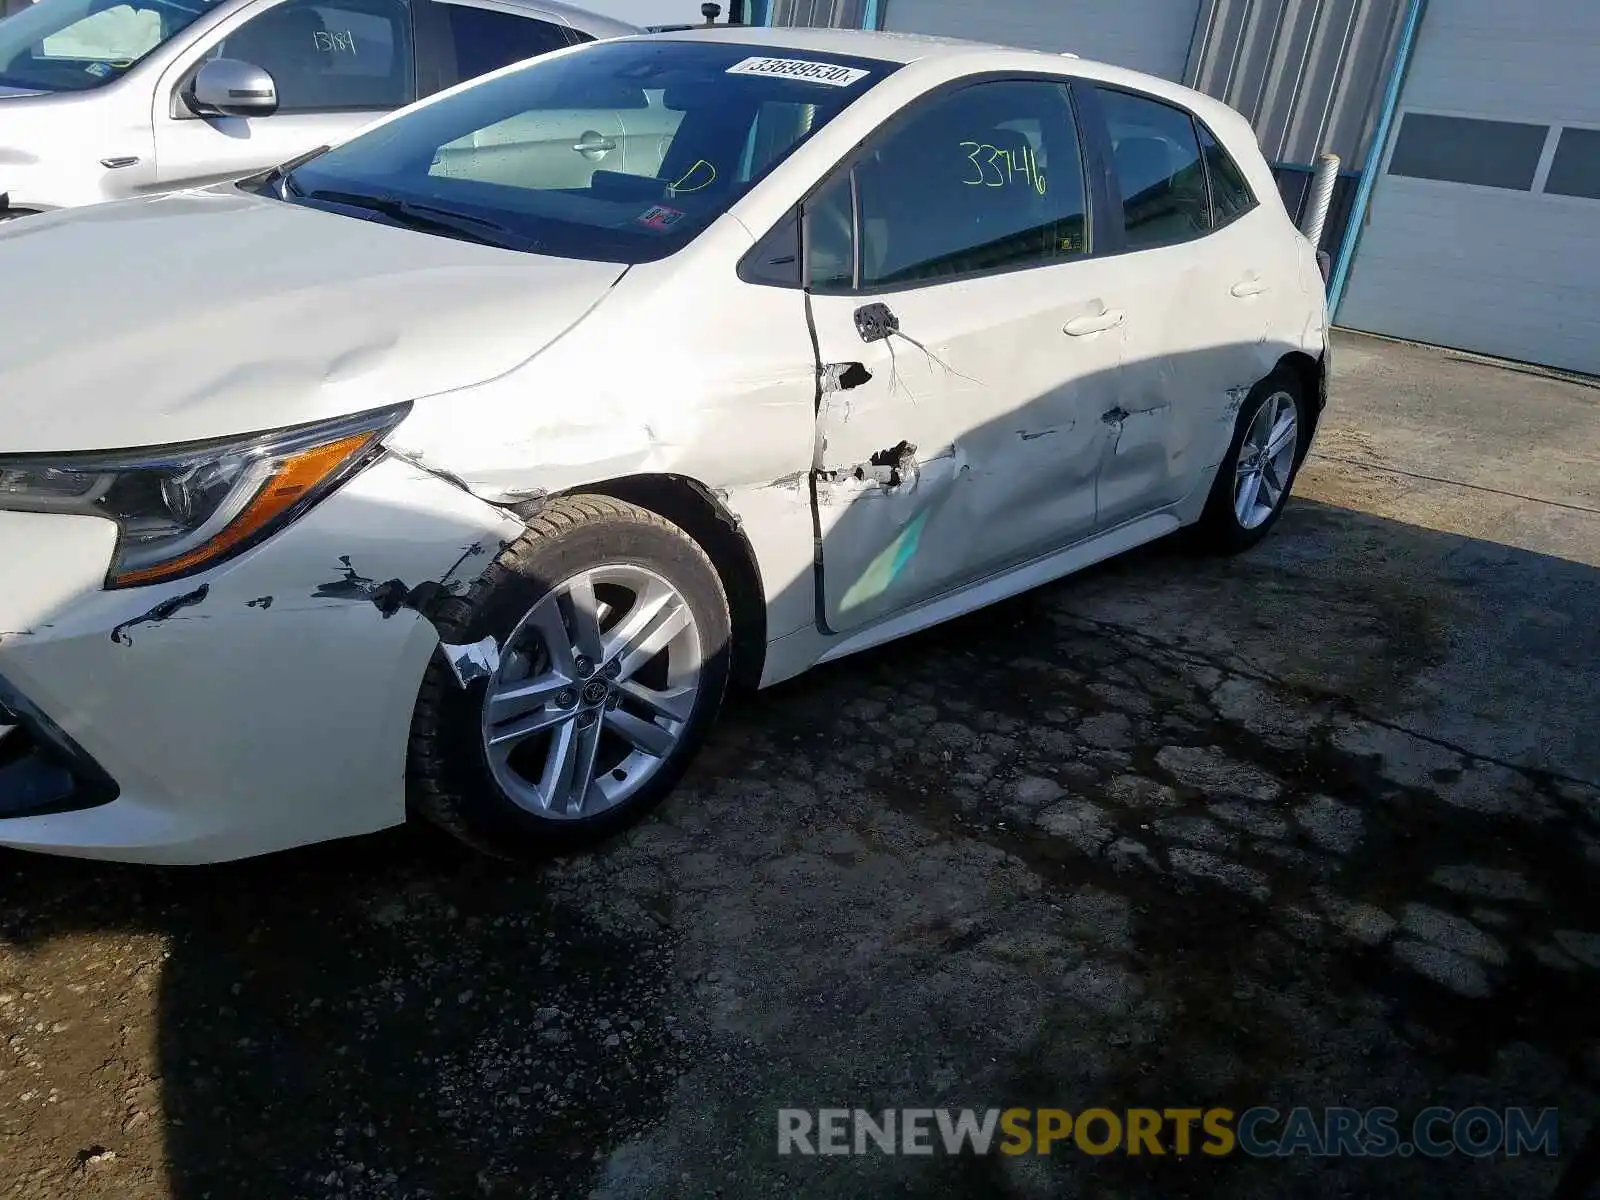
[{"x": 227, "y": 87}]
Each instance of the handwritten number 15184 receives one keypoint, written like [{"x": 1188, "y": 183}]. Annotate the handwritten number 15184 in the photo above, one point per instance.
[{"x": 994, "y": 167}]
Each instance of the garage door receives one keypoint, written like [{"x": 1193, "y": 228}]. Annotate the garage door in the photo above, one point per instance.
[
  {"x": 1484, "y": 230},
  {"x": 1147, "y": 35}
]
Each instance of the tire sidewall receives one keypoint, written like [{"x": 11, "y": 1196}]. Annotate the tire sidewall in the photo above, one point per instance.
[
  {"x": 460, "y": 762},
  {"x": 1221, "y": 516}
]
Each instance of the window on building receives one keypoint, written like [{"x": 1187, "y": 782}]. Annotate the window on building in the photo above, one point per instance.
[
  {"x": 324, "y": 57},
  {"x": 1500, "y": 154},
  {"x": 1576, "y": 169},
  {"x": 1157, "y": 158},
  {"x": 984, "y": 179},
  {"x": 1231, "y": 196},
  {"x": 485, "y": 39}
]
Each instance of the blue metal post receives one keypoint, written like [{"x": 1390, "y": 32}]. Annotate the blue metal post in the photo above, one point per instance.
[
  {"x": 872, "y": 15},
  {"x": 1380, "y": 142}
]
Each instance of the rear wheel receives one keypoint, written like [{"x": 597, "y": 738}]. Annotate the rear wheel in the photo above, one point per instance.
[
  {"x": 1254, "y": 480},
  {"x": 612, "y": 635}
]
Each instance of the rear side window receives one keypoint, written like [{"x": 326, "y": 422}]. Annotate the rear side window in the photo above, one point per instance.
[
  {"x": 1159, "y": 170},
  {"x": 1231, "y": 196},
  {"x": 484, "y": 39},
  {"x": 988, "y": 178}
]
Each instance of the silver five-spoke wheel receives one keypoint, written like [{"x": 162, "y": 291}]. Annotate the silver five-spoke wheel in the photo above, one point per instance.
[
  {"x": 1266, "y": 460},
  {"x": 594, "y": 691}
]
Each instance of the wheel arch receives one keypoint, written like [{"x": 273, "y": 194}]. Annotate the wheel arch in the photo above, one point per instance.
[
  {"x": 696, "y": 509},
  {"x": 1310, "y": 372}
]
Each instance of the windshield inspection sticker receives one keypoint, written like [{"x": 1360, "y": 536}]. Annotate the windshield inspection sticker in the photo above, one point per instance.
[
  {"x": 659, "y": 216},
  {"x": 796, "y": 68},
  {"x": 99, "y": 69}
]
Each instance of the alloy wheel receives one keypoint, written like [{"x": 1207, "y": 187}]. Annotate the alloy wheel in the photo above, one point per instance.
[
  {"x": 594, "y": 690},
  {"x": 1266, "y": 460}
]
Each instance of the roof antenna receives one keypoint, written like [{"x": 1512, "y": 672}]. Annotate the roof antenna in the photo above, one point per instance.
[{"x": 710, "y": 12}]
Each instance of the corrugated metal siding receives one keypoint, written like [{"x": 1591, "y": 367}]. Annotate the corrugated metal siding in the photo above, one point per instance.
[
  {"x": 1309, "y": 74},
  {"x": 1147, "y": 35},
  {"x": 840, "y": 14}
]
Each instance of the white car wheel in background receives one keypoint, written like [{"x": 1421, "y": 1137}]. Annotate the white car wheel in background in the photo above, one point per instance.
[{"x": 613, "y": 638}]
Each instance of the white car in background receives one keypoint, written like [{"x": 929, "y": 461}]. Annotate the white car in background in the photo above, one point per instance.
[
  {"x": 445, "y": 474},
  {"x": 102, "y": 99}
]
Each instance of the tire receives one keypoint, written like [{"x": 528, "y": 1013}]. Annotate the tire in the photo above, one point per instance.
[
  {"x": 1220, "y": 529},
  {"x": 493, "y": 801}
]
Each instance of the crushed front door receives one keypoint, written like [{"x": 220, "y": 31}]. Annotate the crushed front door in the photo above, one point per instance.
[{"x": 960, "y": 429}]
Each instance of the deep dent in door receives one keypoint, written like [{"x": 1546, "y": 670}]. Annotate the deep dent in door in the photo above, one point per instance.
[{"x": 878, "y": 511}]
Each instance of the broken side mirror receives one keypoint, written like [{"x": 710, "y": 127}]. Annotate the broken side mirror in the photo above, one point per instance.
[{"x": 875, "y": 323}]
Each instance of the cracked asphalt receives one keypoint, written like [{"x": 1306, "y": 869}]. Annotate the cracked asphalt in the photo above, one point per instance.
[{"x": 1319, "y": 825}]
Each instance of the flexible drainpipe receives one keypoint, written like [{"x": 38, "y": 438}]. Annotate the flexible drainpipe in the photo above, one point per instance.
[
  {"x": 1322, "y": 184},
  {"x": 1380, "y": 142}
]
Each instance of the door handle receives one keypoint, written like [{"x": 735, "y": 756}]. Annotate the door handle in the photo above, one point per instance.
[
  {"x": 594, "y": 144},
  {"x": 1248, "y": 287},
  {"x": 1095, "y": 322}
]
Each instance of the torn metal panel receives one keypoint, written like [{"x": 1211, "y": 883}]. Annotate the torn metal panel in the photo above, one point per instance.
[
  {"x": 936, "y": 470},
  {"x": 315, "y": 661},
  {"x": 468, "y": 664}
]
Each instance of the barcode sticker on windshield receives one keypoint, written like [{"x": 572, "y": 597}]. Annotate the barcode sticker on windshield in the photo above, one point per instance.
[{"x": 796, "y": 68}]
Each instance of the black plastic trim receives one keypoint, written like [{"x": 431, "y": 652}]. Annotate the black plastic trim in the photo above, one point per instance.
[{"x": 46, "y": 745}]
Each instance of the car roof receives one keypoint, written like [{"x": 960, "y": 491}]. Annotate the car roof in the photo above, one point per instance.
[
  {"x": 863, "y": 43},
  {"x": 960, "y": 56},
  {"x": 595, "y": 24}
]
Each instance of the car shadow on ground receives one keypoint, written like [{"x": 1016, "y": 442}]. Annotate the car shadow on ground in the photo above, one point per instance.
[{"x": 855, "y": 899}]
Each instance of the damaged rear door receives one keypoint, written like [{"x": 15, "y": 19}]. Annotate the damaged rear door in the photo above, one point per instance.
[{"x": 968, "y": 347}]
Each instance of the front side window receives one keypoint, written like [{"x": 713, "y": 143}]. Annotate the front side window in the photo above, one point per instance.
[
  {"x": 621, "y": 151},
  {"x": 987, "y": 178},
  {"x": 1157, "y": 158},
  {"x": 326, "y": 57},
  {"x": 485, "y": 39},
  {"x": 74, "y": 45}
]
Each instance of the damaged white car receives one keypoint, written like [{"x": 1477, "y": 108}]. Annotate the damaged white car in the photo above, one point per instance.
[{"x": 460, "y": 469}]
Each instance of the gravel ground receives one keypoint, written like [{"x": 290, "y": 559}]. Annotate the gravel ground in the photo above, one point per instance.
[{"x": 1319, "y": 825}]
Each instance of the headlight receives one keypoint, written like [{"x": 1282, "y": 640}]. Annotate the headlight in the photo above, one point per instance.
[{"x": 183, "y": 509}]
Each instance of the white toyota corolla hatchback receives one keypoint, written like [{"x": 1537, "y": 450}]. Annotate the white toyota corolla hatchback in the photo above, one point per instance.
[{"x": 461, "y": 468}]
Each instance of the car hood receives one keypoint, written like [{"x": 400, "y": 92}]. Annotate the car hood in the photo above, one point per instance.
[{"x": 205, "y": 314}]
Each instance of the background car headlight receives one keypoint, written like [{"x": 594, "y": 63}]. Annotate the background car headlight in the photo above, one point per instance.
[{"x": 183, "y": 509}]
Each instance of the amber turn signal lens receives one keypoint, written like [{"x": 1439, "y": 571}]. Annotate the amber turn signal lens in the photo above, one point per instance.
[{"x": 294, "y": 478}]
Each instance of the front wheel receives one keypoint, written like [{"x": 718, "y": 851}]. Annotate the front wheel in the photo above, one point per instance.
[
  {"x": 612, "y": 632},
  {"x": 1253, "y": 482}
]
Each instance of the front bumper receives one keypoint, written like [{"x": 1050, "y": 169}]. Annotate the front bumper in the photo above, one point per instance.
[{"x": 271, "y": 709}]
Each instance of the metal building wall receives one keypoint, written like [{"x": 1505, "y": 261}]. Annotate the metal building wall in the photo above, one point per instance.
[
  {"x": 1309, "y": 74},
  {"x": 842, "y": 14}
]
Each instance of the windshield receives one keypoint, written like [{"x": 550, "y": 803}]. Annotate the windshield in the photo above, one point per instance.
[
  {"x": 73, "y": 45},
  {"x": 621, "y": 151}
]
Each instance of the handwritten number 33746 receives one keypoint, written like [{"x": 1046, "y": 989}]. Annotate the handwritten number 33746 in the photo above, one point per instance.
[{"x": 994, "y": 167}]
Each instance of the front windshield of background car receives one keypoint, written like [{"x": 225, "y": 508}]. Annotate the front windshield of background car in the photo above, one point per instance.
[
  {"x": 73, "y": 45},
  {"x": 620, "y": 151}
]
